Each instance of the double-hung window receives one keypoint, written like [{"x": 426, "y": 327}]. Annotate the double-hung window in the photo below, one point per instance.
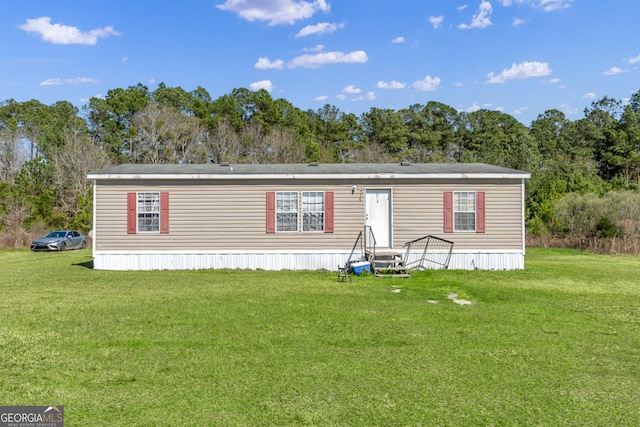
[
  {"x": 312, "y": 211},
  {"x": 287, "y": 211},
  {"x": 299, "y": 211},
  {"x": 148, "y": 212},
  {"x": 464, "y": 211}
]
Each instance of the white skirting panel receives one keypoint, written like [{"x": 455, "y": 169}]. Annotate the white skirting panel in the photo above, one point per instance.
[
  {"x": 204, "y": 261},
  {"x": 487, "y": 261},
  {"x": 497, "y": 260},
  {"x": 494, "y": 260}
]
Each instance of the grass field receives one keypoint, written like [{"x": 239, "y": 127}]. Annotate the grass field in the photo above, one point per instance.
[{"x": 557, "y": 344}]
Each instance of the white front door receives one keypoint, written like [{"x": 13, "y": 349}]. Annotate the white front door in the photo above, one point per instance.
[{"x": 378, "y": 215}]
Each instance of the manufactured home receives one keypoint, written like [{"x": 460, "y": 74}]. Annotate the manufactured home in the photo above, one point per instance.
[{"x": 304, "y": 216}]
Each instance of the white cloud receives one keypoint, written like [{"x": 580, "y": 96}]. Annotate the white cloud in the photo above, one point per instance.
[
  {"x": 265, "y": 63},
  {"x": 324, "y": 6},
  {"x": 351, "y": 89},
  {"x": 461, "y": 8},
  {"x": 590, "y": 95},
  {"x": 545, "y": 5},
  {"x": 398, "y": 39},
  {"x": 551, "y": 5},
  {"x": 341, "y": 97},
  {"x": 428, "y": 84},
  {"x": 64, "y": 34},
  {"x": 322, "y": 98},
  {"x": 316, "y": 48},
  {"x": 393, "y": 84},
  {"x": 314, "y": 60},
  {"x": 634, "y": 60},
  {"x": 320, "y": 59},
  {"x": 369, "y": 96},
  {"x": 568, "y": 110},
  {"x": 262, "y": 84},
  {"x": 476, "y": 107},
  {"x": 613, "y": 71},
  {"x": 274, "y": 11},
  {"x": 523, "y": 70},
  {"x": 470, "y": 109},
  {"x": 321, "y": 28},
  {"x": 519, "y": 111},
  {"x": 554, "y": 80},
  {"x": 76, "y": 81},
  {"x": 52, "y": 82},
  {"x": 482, "y": 19},
  {"x": 517, "y": 22},
  {"x": 436, "y": 21},
  {"x": 86, "y": 100}
]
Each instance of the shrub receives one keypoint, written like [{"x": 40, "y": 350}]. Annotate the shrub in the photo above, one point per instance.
[
  {"x": 607, "y": 228},
  {"x": 616, "y": 214}
]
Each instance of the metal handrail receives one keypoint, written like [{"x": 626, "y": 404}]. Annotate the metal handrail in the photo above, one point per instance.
[
  {"x": 369, "y": 241},
  {"x": 355, "y": 245},
  {"x": 441, "y": 255}
]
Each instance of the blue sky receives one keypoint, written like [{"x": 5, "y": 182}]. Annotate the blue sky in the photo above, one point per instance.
[{"x": 522, "y": 57}]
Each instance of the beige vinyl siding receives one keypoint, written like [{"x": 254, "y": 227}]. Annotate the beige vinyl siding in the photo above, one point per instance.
[
  {"x": 418, "y": 210},
  {"x": 211, "y": 215},
  {"x": 214, "y": 215}
]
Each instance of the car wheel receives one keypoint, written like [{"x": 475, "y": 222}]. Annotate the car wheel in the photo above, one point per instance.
[
  {"x": 83, "y": 245},
  {"x": 63, "y": 246}
]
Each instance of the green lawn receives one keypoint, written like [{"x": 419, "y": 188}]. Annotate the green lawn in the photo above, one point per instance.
[{"x": 557, "y": 344}]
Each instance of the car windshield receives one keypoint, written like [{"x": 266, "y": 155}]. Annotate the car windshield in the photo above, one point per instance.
[{"x": 55, "y": 234}]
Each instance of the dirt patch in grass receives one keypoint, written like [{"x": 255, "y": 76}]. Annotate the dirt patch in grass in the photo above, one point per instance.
[{"x": 456, "y": 298}]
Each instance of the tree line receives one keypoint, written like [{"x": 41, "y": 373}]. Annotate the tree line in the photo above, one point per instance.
[{"x": 579, "y": 165}]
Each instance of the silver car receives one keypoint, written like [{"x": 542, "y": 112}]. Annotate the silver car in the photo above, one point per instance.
[{"x": 60, "y": 240}]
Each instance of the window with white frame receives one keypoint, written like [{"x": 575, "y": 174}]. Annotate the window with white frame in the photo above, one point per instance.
[
  {"x": 464, "y": 211},
  {"x": 312, "y": 211},
  {"x": 290, "y": 203},
  {"x": 287, "y": 211},
  {"x": 149, "y": 212}
]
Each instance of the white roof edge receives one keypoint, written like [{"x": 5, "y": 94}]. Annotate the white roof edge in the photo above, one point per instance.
[{"x": 312, "y": 176}]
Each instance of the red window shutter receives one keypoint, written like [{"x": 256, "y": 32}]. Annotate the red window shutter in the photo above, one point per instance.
[
  {"x": 132, "y": 213},
  {"x": 480, "y": 212},
  {"x": 328, "y": 212},
  {"x": 448, "y": 212},
  {"x": 164, "y": 213},
  {"x": 271, "y": 212}
]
